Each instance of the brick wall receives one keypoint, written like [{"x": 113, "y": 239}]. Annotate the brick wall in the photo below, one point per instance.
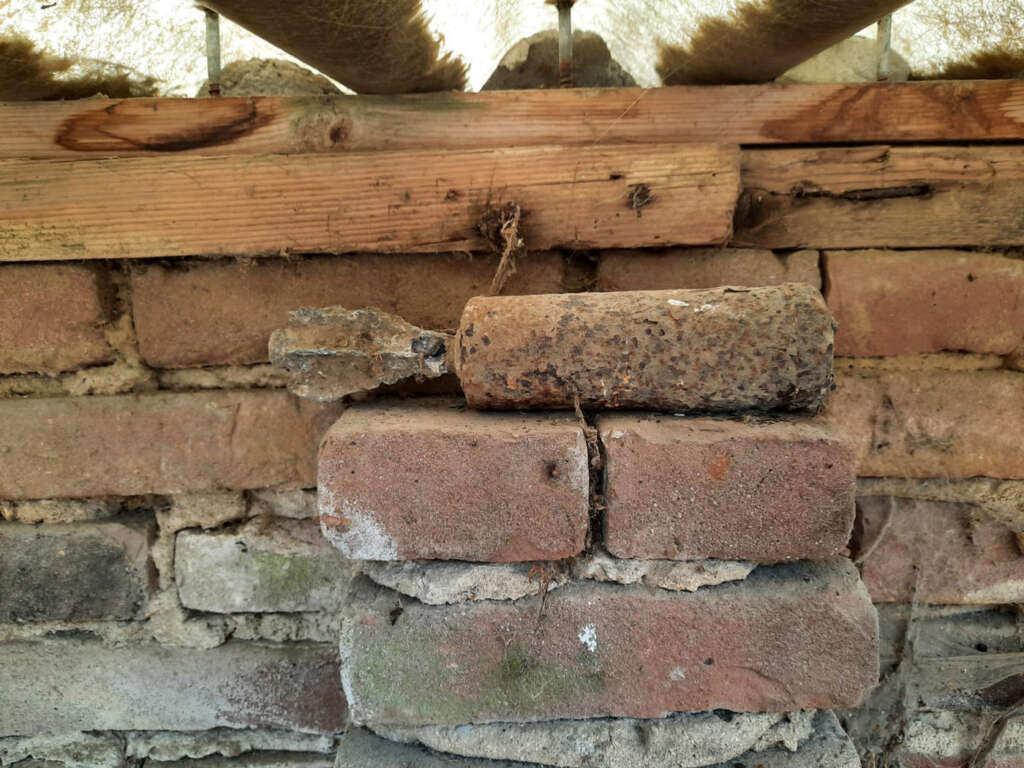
[
  {"x": 167, "y": 596},
  {"x": 159, "y": 530}
]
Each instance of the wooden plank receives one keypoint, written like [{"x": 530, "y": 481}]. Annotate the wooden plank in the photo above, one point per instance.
[
  {"x": 881, "y": 196},
  {"x": 583, "y": 197},
  {"x": 755, "y": 115}
]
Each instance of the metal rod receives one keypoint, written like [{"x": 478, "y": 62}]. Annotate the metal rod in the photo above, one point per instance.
[
  {"x": 565, "y": 74},
  {"x": 883, "y": 47},
  {"x": 212, "y": 51}
]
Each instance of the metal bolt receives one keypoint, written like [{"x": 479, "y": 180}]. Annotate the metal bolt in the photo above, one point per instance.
[
  {"x": 883, "y": 46},
  {"x": 212, "y": 51},
  {"x": 565, "y": 74}
]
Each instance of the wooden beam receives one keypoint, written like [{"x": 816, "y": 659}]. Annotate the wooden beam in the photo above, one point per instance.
[
  {"x": 881, "y": 197},
  {"x": 583, "y": 197},
  {"x": 754, "y": 115}
]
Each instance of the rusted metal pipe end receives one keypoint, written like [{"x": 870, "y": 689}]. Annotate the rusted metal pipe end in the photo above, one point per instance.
[{"x": 693, "y": 351}]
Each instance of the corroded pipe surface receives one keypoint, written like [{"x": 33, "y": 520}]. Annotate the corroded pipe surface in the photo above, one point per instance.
[{"x": 726, "y": 349}]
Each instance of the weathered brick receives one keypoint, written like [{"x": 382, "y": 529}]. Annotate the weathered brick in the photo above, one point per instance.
[
  {"x": 159, "y": 443},
  {"x": 89, "y": 686},
  {"x": 933, "y": 423},
  {"x": 938, "y": 552},
  {"x": 692, "y": 488},
  {"x": 910, "y": 302},
  {"x": 74, "y": 572},
  {"x": 645, "y": 270},
  {"x": 222, "y": 312},
  {"x": 439, "y": 481},
  {"x": 280, "y": 565},
  {"x": 50, "y": 316},
  {"x": 788, "y": 637}
]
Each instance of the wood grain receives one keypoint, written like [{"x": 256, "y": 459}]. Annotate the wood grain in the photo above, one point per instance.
[
  {"x": 882, "y": 196},
  {"x": 582, "y": 197},
  {"x": 755, "y": 115}
]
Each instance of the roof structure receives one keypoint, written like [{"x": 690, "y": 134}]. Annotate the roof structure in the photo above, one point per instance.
[{"x": 414, "y": 45}]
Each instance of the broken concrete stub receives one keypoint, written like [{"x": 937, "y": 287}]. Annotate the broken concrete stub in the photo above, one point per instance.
[
  {"x": 693, "y": 488},
  {"x": 688, "y": 740},
  {"x": 331, "y": 352},
  {"x": 722, "y": 349},
  {"x": 803, "y": 635},
  {"x": 430, "y": 479}
]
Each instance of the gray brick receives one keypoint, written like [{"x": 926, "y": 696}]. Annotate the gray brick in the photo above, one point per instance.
[
  {"x": 75, "y": 571},
  {"x": 87, "y": 686},
  {"x": 285, "y": 565}
]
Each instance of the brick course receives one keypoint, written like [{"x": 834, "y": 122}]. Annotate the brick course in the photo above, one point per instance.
[
  {"x": 158, "y": 443},
  {"x": 407, "y": 481},
  {"x": 703, "y": 268},
  {"x": 911, "y": 302},
  {"x": 222, "y": 312},
  {"x": 788, "y": 637},
  {"x": 50, "y": 316},
  {"x": 689, "y": 489}
]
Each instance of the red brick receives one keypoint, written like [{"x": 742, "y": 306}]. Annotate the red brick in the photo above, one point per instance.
[
  {"x": 222, "y": 312},
  {"x": 50, "y": 316},
  {"x": 438, "y": 481},
  {"x": 938, "y": 552},
  {"x": 703, "y": 268},
  {"x": 75, "y": 572},
  {"x": 159, "y": 443},
  {"x": 789, "y": 637},
  {"x": 89, "y": 686},
  {"x": 909, "y": 302},
  {"x": 689, "y": 489},
  {"x": 933, "y": 423}
]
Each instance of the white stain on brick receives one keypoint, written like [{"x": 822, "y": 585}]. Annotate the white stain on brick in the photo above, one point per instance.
[
  {"x": 677, "y": 673},
  {"x": 359, "y": 536},
  {"x": 588, "y": 636},
  {"x": 678, "y": 303}
]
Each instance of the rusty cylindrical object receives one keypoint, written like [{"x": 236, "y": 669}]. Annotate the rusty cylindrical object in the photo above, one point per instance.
[{"x": 725, "y": 349}]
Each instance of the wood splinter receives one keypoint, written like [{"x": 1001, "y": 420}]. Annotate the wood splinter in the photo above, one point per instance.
[{"x": 724, "y": 349}]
